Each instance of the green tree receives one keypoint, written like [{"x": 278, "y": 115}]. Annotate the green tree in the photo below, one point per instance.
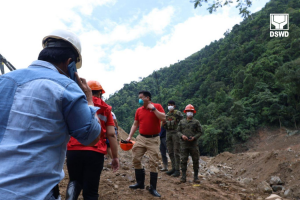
[{"x": 243, "y": 5}]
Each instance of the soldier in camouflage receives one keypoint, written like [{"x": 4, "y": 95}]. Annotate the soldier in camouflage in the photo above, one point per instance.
[
  {"x": 172, "y": 119},
  {"x": 189, "y": 131}
]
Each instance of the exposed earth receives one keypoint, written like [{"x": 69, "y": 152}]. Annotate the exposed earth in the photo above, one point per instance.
[{"x": 242, "y": 175}]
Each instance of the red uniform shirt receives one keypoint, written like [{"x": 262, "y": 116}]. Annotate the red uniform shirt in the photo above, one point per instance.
[
  {"x": 149, "y": 124},
  {"x": 106, "y": 119}
]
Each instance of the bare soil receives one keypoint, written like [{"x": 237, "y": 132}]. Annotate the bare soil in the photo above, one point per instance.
[{"x": 228, "y": 176}]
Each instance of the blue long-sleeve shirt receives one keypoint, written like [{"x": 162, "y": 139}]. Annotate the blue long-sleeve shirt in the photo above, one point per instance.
[{"x": 39, "y": 110}]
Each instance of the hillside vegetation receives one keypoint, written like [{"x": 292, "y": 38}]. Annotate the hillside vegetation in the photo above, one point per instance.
[{"x": 237, "y": 84}]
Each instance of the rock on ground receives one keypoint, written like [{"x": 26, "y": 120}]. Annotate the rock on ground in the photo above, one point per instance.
[
  {"x": 275, "y": 180},
  {"x": 265, "y": 187},
  {"x": 273, "y": 197},
  {"x": 287, "y": 193},
  {"x": 277, "y": 188}
]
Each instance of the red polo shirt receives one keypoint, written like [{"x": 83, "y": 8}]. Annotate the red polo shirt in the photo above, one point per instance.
[{"x": 149, "y": 124}]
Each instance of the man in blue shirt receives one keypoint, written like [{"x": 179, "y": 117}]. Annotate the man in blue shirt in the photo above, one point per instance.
[{"x": 40, "y": 109}]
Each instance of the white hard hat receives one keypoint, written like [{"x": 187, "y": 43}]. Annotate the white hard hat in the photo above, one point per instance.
[{"x": 69, "y": 37}]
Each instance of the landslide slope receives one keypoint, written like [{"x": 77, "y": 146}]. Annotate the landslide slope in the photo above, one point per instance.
[{"x": 227, "y": 176}]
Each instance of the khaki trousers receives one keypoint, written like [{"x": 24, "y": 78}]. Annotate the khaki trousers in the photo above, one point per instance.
[{"x": 140, "y": 147}]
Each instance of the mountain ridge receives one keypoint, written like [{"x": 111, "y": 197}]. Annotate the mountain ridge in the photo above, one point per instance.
[{"x": 237, "y": 84}]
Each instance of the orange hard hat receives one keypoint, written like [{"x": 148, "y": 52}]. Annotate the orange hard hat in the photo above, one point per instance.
[
  {"x": 95, "y": 85},
  {"x": 126, "y": 146},
  {"x": 189, "y": 107}
]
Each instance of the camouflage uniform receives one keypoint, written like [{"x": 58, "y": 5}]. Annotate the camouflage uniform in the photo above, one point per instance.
[
  {"x": 173, "y": 145},
  {"x": 189, "y": 128}
]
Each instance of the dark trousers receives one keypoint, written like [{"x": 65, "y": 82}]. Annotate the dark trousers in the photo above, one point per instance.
[
  {"x": 163, "y": 150},
  {"x": 85, "y": 167}
]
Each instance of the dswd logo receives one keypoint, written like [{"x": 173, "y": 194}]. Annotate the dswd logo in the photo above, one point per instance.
[{"x": 280, "y": 23}]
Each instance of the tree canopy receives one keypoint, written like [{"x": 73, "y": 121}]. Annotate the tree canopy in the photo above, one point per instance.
[{"x": 242, "y": 5}]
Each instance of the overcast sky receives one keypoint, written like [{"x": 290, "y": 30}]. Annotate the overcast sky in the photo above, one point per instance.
[{"x": 121, "y": 40}]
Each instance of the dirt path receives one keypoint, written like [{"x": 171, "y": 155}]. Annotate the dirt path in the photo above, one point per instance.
[{"x": 227, "y": 176}]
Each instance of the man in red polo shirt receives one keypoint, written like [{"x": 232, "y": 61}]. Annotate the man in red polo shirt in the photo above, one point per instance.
[{"x": 147, "y": 118}]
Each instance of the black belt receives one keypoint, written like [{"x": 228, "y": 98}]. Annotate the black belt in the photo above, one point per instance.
[{"x": 149, "y": 136}]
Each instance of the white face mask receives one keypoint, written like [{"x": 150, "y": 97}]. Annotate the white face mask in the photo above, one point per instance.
[
  {"x": 170, "y": 108},
  {"x": 189, "y": 114}
]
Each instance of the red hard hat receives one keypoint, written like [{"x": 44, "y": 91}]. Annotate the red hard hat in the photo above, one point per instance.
[
  {"x": 189, "y": 107},
  {"x": 126, "y": 146},
  {"x": 95, "y": 85}
]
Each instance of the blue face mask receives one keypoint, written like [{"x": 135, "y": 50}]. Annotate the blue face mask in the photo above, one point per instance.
[
  {"x": 141, "y": 102},
  {"x": 71, "y": 70}
]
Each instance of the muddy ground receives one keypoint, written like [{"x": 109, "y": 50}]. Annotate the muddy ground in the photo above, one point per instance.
[{"x": 230, "y": 176}]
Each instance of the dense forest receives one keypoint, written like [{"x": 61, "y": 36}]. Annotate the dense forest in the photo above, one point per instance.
[{"x": 237, "y": 84}]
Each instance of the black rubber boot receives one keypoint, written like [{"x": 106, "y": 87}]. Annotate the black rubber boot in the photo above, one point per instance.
[
  {"x": 73, "y": 190},
  {"x": 183, "y": 177},
  {"x": 196, "y": 179},
  {"x": 140, "y": 179},
  {"x": 153, "y": 182},
  {"x": 176, "y": 173},
  {"x": 170, "y": 172}
]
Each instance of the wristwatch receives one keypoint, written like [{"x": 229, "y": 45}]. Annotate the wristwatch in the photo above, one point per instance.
[{"x": 153, "y": 109}]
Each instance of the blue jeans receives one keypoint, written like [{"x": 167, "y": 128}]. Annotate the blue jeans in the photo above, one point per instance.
[{"x": 163, "y": 150}]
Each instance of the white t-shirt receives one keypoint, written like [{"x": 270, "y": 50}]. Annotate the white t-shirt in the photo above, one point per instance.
[{"x": 113, "y": 115}]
